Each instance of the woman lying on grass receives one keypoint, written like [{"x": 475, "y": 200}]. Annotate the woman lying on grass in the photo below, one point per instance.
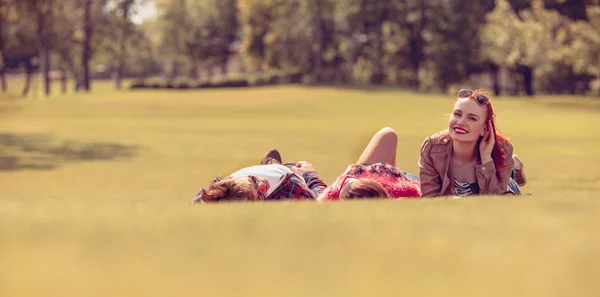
[
  {"x": 264, "y": 182},
  {"x": 375, "y": 174},
  {"x": 471, "y": 157}
]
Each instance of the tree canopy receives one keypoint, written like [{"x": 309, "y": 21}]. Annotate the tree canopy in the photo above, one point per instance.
[{"x": 515, "y": 46}]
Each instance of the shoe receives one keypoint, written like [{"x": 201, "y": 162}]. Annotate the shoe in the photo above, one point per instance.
[
  {"x": 271, "y": 157},
  {"x": 520, "y": 177},
  {"x": 518, "y": 163}
]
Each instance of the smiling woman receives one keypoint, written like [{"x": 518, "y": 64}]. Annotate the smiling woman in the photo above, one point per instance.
[{"x": 471, "y": 157}]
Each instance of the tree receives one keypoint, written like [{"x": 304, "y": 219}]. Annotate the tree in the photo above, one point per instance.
[
  {"x": 21, "y": 47},
  {"x": 195, "y": 33},
  {"x": 586, "y": 48},
  {"x": 3, "y": 10},
  {"x": 124, "y": 11},
  {"x": 42, "y": 10},
  {"x": 539, "y": 39},
  {"x": 86, "y": 47},
  {"x": 455, "y": 46}
]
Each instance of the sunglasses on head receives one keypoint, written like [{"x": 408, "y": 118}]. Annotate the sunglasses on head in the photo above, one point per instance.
[
  {"x": 481, "y": 99},
  {"x": 255, "y": 181}
]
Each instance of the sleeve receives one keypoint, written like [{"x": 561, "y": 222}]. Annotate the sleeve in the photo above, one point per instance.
[
  {"x": 333, "y": 191},
  {"x": 295, "y": 187},
  {"x": 431, "y": 182},
  {"x": 314, "y": 183},
  {"x": 486, "y": 174}
]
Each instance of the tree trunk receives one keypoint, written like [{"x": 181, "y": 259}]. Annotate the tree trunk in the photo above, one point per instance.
[
  {"x": 2, "y": 66},
  {"x": 126, "y": 10},
  {"x": 527, "y": 74},
  {"x": 86, "y": 51},
  {"x": 317, "y": 48},
  {"x": 3, "y": 80},
  {"x": 46, "y": 67},
  {"x": 572, "y": 81},
  {"x": 63, "y": 81},
  {"x": 70, "y": 68},
  {"x": 224, "y": 66},
  {"x": 378, "y": 76},
  {"x": 43, "y": 35},
  {"x": 28, "y": 72},
  {"x": 231, "y": 36},
  {"x": 495, "y": 73},
  {"x": 415, "y": 54},
  {"x": 120, "y": 65},
  {"x": 121, "y": 62},
  {"x": 416, "y": 45},
  {"x": 355, "y": 46}
]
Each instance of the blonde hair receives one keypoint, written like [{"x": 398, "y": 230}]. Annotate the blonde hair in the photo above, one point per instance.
[
  {"x": 365, "y": 188},
  {"x": 225, "y": 190}
]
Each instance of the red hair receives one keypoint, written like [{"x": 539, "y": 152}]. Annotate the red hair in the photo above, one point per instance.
[{"x": 498, "y": 154}]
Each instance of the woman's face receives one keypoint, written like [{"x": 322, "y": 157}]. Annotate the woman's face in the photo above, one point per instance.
[{"x": 468, "y": 121}]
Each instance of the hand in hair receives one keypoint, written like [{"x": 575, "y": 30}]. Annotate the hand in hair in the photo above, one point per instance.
[{"x": 486, "y": 146}]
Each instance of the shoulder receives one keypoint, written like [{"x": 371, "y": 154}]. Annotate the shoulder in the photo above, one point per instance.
[
  {"x": 437, "y": 142},
  {"x": 440, "y": 138}
]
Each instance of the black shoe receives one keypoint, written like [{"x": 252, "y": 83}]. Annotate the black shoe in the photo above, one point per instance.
[{"x": 271, "y": 157}]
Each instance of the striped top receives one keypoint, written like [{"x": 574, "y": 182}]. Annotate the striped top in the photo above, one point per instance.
[{"x": 463, "y": 188}]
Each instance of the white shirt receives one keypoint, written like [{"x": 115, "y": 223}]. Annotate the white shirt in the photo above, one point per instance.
[{"x": 273, "y": 173}]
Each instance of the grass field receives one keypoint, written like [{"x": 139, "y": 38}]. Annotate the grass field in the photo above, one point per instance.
[{"x": 94, "y": 191}]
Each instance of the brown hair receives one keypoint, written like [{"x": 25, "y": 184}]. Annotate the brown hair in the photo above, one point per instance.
[
  {"x": 366, "y": 188},
  {"x": 228, "y": 190}
]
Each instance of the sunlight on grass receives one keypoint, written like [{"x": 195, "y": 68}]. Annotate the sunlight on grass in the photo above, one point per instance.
[{"x": 95, "y": 190}]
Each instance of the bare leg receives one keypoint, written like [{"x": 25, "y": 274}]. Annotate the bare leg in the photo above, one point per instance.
[{"x": 381, "y": 149}]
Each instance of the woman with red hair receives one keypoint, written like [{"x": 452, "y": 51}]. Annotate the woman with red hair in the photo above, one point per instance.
[{"x": 471, "y": 157}]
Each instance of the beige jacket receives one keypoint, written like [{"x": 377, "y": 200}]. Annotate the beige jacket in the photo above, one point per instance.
[{"x": 436, "y": 176}]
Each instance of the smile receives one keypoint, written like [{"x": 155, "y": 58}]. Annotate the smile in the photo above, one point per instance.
[{"x": 460, "y": 130}]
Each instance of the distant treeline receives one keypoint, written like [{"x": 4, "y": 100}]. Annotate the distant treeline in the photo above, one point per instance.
[{"x": 513, "y": 46}]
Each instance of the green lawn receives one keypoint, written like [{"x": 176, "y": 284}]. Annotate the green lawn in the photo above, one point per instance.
[{"x": 94, "y": 191}]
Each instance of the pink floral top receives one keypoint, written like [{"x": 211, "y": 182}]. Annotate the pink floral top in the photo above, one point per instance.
[{"x": 396, "y": 183}]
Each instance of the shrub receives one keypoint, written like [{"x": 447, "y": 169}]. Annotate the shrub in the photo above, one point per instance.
[
  {"x": 184, "y": 82},
  {"x": 156, "y": 82},
  {"x": 138, "y": 85}
]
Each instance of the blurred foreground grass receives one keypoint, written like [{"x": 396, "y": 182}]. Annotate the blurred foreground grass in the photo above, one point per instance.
[{"x": 94, "y": 191}]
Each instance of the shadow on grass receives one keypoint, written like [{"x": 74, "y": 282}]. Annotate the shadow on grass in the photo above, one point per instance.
[{"x": 42, "y": 152}]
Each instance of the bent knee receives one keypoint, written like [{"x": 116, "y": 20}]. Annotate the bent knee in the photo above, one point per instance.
[{"x": 388, "y": 133}]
